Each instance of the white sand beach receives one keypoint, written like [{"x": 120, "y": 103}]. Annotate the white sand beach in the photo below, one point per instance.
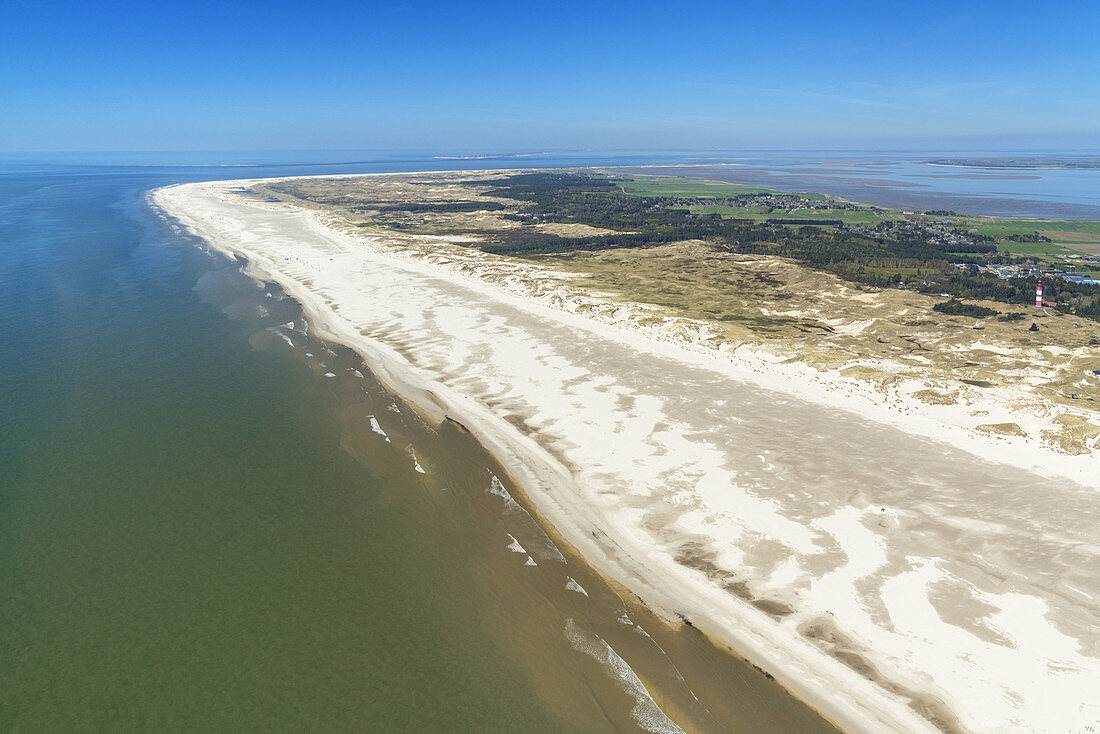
[{"x": 893, "y": 568}]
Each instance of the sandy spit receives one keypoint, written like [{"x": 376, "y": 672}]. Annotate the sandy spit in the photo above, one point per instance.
[{"x": 896, "y": 572}]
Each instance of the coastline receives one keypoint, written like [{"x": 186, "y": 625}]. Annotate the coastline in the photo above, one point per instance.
[{"x": 603, "y": 539}]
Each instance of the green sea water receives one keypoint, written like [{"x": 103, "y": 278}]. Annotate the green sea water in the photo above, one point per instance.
[{"x": 212, "y": 522}]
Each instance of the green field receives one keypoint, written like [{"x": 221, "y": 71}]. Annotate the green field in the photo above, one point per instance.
[
  {"x": 1045, "y": 250},
  {"x": 679, "y": 186},
  {"x": 1002, "y": 227}
]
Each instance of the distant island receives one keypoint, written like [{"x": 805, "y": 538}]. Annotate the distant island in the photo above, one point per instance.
[
  {"x": 1077, "y": 162},
  {"x": 484, "y": 156}
]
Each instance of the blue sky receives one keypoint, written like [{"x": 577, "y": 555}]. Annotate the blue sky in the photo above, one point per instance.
[{"x": 533, "y": 76}]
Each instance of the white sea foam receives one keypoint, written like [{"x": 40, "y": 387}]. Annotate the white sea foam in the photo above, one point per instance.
[
  {"x": 572, "y": 585},
  {"x": 282, "y": 336},
  {"x": 377, "y": 428},
  {"x": 646, "y": 711},
  {"x": 541, "y": 545}
]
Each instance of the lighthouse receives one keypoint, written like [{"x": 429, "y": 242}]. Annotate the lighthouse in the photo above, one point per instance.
[{"x": 1039, "y": 294}]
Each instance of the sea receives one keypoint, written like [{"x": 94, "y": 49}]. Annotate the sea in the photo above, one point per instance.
[{"x": 212, "y": 520}]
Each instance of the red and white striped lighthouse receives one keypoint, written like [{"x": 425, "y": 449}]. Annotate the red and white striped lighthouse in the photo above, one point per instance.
[{"x": 1039, "y": 294}]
